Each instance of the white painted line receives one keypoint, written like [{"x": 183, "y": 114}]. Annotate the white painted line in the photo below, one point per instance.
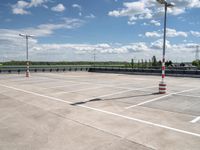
[
  {"x": 188, "y": 95},
  {"x": 37, "y": 94},
  {"x": 186, "y": 90},
  {"x": 120, "y": 86},
  {"x": 65, "y": 92},
  {"x": 117, "y": 93},
  {"x": 195, "y": 120},
  {"x": 145, "y": 102},
  {"x": 102, "y": 75},
  {"x": 158, "y": 98},
  {"x": 108, "y": 112},
  {"x": 142, "y": 121},
  {"x": 60, "y": 86}
]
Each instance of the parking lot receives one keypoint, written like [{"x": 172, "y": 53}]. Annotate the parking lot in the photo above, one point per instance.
[{"x": 98, "y": 111}]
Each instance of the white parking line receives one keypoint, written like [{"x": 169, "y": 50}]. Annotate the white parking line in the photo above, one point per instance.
[
  {"x": 188, "y": 95},
  {"x": 142, "y": 121},
  {"x": 91, "y": 88},
  {"x": 60, "y": 86},
  {"x": 108, "y": 112},
  {"x": 120, "y": 86},
  {"x": 145, "y": 102},
  {"x": 195, "y": 119},
  {"x": 117, "y": 93},
  {"x": 158, "y": 98},
  {"x": 37, "y": 94}
]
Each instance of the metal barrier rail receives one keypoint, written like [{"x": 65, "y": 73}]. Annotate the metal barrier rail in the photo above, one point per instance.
[
  {"x": 142, "y": 71},
  {"x": 43, "y": 69},
  {"x": 106, "y": 69}
]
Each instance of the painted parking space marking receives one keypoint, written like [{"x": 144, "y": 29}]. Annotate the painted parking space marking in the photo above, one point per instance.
[
  {"x": 195, "y": 119},
  {"x": 84, "y": 89},
  {"x": 60, "y": 86},
  {"x": 188, "y": 95},
  {"x": 145, "y": 102},
  {"x": 108, "y": 112},
  {"x": 159, "y": 98}
]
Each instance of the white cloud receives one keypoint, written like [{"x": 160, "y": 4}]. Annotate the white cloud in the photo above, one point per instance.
[
  {"x": 36, "y": 3},
  {"x": 158, "y": 44},
  {"x": 20, "y": 8},
  {"x": 45, "y": 6},
  {"x": 147, "y": 9},
  {"x": 53, "y": 51},
  {"x": 174, "y": 33},
  {"x": 58, "y": 8},
  {"x": 43, "y": 30},
  {"x": 153, "y": 34},
  {"x": 182, "y": 5},
  {"x": 77, "y": 6},
  {"x": 12, "y": 47},
  {"x": 20, "y": 11},
  {"x": 169, "y": 33},
  {"x": 195, "y": 33},
  {"x": 140, "y": 35},
  {"x": 133, "y": 10},
  {"x": 48, "y": 29},
  {"x": 131, "y": 22},
  {"x": 90, "y": 16},
  {"x": 103, "y": 48},
  {"x": 171, "y": 48},
  {"x": 154, "y": 22},
  {"x": 80, "y": 14}
]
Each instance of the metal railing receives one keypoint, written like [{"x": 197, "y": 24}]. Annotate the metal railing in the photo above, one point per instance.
[{"x": 111, "y": 69}]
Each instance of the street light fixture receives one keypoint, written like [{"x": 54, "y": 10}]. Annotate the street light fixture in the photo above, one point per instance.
[
  {"x": 27, "y": 60},
  {"x": 162, "y": 85}
]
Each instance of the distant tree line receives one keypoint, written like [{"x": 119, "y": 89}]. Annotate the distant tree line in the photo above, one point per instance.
[
  {"x": 153, "y": 62},
  {"x": 196, "y": 63},
  {"x": 18, "y": 63},
  {"x": 149, "y": 63}
]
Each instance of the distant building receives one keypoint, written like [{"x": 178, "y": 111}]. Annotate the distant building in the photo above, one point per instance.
[{"x": 183, "y": 65}]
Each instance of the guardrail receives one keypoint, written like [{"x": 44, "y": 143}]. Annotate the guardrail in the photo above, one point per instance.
[
  {"x": 22, "y": 69},
  {"x": 103, "y": 69},
  {"x": 146, "y": 71}
]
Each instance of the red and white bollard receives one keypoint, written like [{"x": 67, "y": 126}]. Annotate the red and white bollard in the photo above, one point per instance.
[
  {"x": 27, "y": 74},
  {"x": 162, "y": 84},
  {"x": 162, "y": 88},
  {"x": 27, "y": 70}
]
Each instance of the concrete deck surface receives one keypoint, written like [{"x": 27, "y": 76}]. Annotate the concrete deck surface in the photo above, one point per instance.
[{"x": 97, "y": 111}]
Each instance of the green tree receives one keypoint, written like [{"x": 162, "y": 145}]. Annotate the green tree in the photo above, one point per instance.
[
  {"x": 168, "y": 63},
  {"x": 196, "y": 63},
  {"x": 154, "y": 61},
  {"x": 132, "y": 63}
]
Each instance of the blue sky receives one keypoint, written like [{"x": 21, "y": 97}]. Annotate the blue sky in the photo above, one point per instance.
[{"x": 117, "y": 30}]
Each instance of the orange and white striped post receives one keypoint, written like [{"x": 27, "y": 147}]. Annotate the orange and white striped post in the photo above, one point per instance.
[
  {"x": 162, "y": 84},
  {"x": 27, "y": 70}
]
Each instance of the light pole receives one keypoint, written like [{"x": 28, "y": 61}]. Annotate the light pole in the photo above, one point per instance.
[
  {"x": 162, "y": 85},
  {"x": 27, "y": 60}
]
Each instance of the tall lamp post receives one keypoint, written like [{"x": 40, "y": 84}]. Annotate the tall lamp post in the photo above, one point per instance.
[
  {"x": 162, "y": 84},
  {"x": 27, "y": 60}
]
